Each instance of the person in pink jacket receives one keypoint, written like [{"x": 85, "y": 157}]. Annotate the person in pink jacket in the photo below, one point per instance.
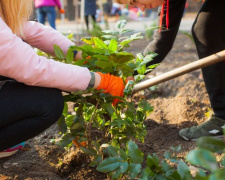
[
  {"x": 30, "y": 85},
  {"x": 46, "y": 9}
]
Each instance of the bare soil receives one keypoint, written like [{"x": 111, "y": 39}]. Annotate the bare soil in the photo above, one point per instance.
[{"x": 178, "y": 103}]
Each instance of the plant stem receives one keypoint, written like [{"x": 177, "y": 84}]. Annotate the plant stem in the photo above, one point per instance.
[{"x": 89, "y": 124}]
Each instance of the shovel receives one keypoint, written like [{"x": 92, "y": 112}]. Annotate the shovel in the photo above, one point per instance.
[{"x": 201, "y": 63}]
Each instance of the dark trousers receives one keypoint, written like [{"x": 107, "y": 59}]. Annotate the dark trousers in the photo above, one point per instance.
[
  {"x": 209, "y": 34},
  {"x": 87, "y": 21},
  {"x": 26, "y": 111},
  {"x": 47, "y": 12}
]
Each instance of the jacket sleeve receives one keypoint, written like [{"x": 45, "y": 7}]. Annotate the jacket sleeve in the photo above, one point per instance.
[
  {"x": 163, "y": 41},
  {"x": 58, "y": 3},
  {"x": 19, "y": 61},
  {"x": 43, "y": 37}
]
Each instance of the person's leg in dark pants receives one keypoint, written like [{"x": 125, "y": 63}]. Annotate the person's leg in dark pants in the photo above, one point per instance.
[
  {"x": 41, "y": 15},
  {"x": 51, "y": 15},
  {"x": 26, "y": 111},
  {"x": 93, "y": 21},
  {"x": 93, "y": 18},
  {"x": 208, "y": 33},
  {"x": 87, "y": 22}
]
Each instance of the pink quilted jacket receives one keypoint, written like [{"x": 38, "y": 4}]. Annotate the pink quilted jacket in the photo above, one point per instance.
[{"x": 19, "y": 61}]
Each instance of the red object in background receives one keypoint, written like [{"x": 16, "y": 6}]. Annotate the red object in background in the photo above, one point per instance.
[{"x": 62, "y": 11}]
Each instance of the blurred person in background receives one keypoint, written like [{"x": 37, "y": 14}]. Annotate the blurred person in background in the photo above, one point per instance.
[
  {"x": 90, "y": 10},
  {"x": 116, "y": 10},
  {"x": 45, "y": 9},
  {"x": 106, "y": 9}
]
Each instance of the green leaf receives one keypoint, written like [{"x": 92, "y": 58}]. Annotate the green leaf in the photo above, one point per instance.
[
  {"x": 153, "y": 66},
  {"x": 152, "y": 162},
  {"x": 141, "y": 70},
  {"x": 89, "y": 151},
  {"x": 134, "y": 170},
  {"x": 145, "y": 105},
  {"x": 65, "y": 109},
  {"x": 79, "y": 62},
  {"x": 218, "y": 175},
  {"x": 201, "y": 175},
  {"x": 111, "y": 32},
  {"x": 133, "y": 37},
  {"x": 152, "y": 28},
  {"x": 136, "y": 36},
  {"x": 125, "y": 69},
  {"x": 96, "y": 161},
  {"x": 96, "y": 145},
  {"x": 120, "y": 24},
  {"x": 212, "y": 144},
  {"x": 173, "y": 175},
  {"x": 40, "y": 53},
  {"x": 109, "y": 37},
  {"x": 121, "y": 57},
  {"x": 88, "y": 48},
  {"x": 203, "y": 158},
  {"x": 109, "y": 165},
  {"x": 144, "y": 62},
  {"x": 167, "y": 155},
  {"x": 138, "y": 78},
  {"x": 122, "y": 169},
  {"x": 165, "y": 166},
  {"x": 58, "y": 52},
  {"x": 134, "y": 152},
  {"x": 123, "y": 31},
  {"x": 126, "y": 41},
  {"x": 128, "y": 88},
  {"x": 66, "y": 140},
  {"x": 176, "y": 149},
  {"x": 145, "y": 173},
  {"x": 70, "y": 120},
  {"x": 87, "y": 41},
  {"x": 147, "y": 59},
  {"x": 140, "y": 56},
  {"x": 99, "y": 43},
  {"x": 78, "y": 48},
  {"x": 222, "y": 161},
  {"x": 112, "y": 150},
  {"x": 77, "y": 127},
  {"x": 113, "y": 45},
  {"x": 70, "y": 36},
  {"x": 76, "y": 93},
  {"x": 123, "y": 154},
  {"x": 103, "y": 64},
  {"x": 62, "y": 124},
  {"x": 101, "y": 57},
  {"x": 69, "y": 56},
  {"x": 150, "y": 56},
  {"x": 183, "y": 170}
]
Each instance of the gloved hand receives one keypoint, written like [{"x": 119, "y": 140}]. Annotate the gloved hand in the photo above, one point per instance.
[
  {"x": 111, "y": 84},
  {"x": 62, "y": 11}
]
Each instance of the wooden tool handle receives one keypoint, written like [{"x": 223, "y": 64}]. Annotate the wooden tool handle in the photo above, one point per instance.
[{"x": 207, "y": 61}]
